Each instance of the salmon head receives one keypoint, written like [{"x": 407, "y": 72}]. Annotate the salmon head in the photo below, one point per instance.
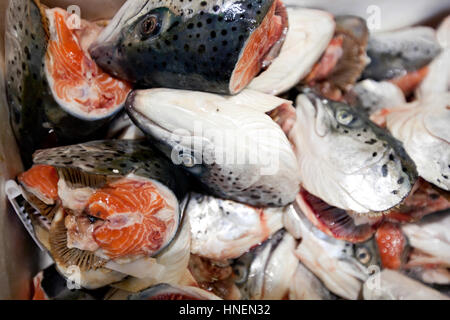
[
  {"x": 342, "y": 266},
  {"x": 422, "y": 126},
  {"x": 166, "y": 291},
  {"x": 228, "y": 143},
  {"x": 348, "y": 161},
  {"x": 56, "y": 93},
  {"x": 394, "y": 54},
  {"x": 116, "y": 201},
  {"x": 215, "y": 46}
]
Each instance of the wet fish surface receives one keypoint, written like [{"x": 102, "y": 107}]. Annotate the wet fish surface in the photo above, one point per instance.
[
  {"x": 422, "y": 126},
  {"x": 348, "y": 161},
  {"x": 196, "y": 45},
  {"x": 228, "y": 143},
  {"x": 117, "y": 202},
  {"x": 224, "y": 229},
  {"x": 394, "y": 54},
  {"x": 56, "y": 94}
]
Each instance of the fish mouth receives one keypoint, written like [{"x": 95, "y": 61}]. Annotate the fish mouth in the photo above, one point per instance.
[
  {"x": 333, "y": 221},
  {"x": 142, "y": 121},
  {"x": 109, "y": 58},
  {"x": 261, "y": 48}
]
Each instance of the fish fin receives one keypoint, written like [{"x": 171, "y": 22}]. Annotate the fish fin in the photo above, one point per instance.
[{"x": 77, "y": 178}]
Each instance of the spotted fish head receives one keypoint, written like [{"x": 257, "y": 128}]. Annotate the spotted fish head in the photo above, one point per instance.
[
  {"x": 394, "y": 54},
  {"x": 115, "y": 159},
  {"x": 348, "y": 161},
  {"x": 128, "y": 201},
  {"x": 197, "y": 45},
  {"x": 236, "y": 151}
]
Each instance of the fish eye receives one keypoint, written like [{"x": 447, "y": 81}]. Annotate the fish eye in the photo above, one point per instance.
[
  {"x": 93, "y": 219},
  {"x": 240, "y": 274},
  {"x": 363, "y": 255},
  {"x": 149, "y": 26},
  {"x": 344, "y": 117}
]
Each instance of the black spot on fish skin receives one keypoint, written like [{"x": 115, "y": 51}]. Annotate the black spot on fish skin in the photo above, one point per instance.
[
  {"x": 210, "y": 27},
  {"x": 434, "y": 196},
  {"x": 371, "y": 141},
  {"x": 384, "y": 170}
]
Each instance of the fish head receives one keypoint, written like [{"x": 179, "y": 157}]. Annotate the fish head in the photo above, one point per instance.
[
  {"x": 250, "y": 270},
  {"x": 396, "y": 53},
  {"x": 188, "y": 45},
  {"x": 236, "y": 151},
  {"x": 342, "y": 266},
  {"x": 138, "y": 26},
  {"x": 366, "y": 253},
  {"x": 165, "y": 291},
  {"x": 174, "y": 136},
  {"x": 363, "y": 256},
  {"x": 364, "y": 168},
  {"x": 422, "y": 126}
]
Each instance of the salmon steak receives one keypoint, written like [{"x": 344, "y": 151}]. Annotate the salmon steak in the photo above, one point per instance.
[
  {"x": 115, "y": 201},
  {"x": 56, "y": 93},
  {"x": 77, "y": 83},
  {"x": 137, "y": 218}
]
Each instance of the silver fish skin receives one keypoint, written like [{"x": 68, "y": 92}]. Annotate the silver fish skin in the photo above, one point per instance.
[
  {"x": 394, "y": 54},
  {"x": 224, "y": 229},
  {"x": 306, "y": 286},
  {"x": 166, "y": 291},
  {"x": 341, "y": 266},
  {"x": 430, "y": 236},
  {"x": 228, "y": 143},
  {"x": 392, "y": 285},
  {"x": 437, "y": 80},
  {"x": 348, "y": 161},
  {"x": 437, "y": 277},
  {"x": 265, "y": 272},
  {"x": 423, "y": 128},
  {"x": 373, "y": 96}
]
